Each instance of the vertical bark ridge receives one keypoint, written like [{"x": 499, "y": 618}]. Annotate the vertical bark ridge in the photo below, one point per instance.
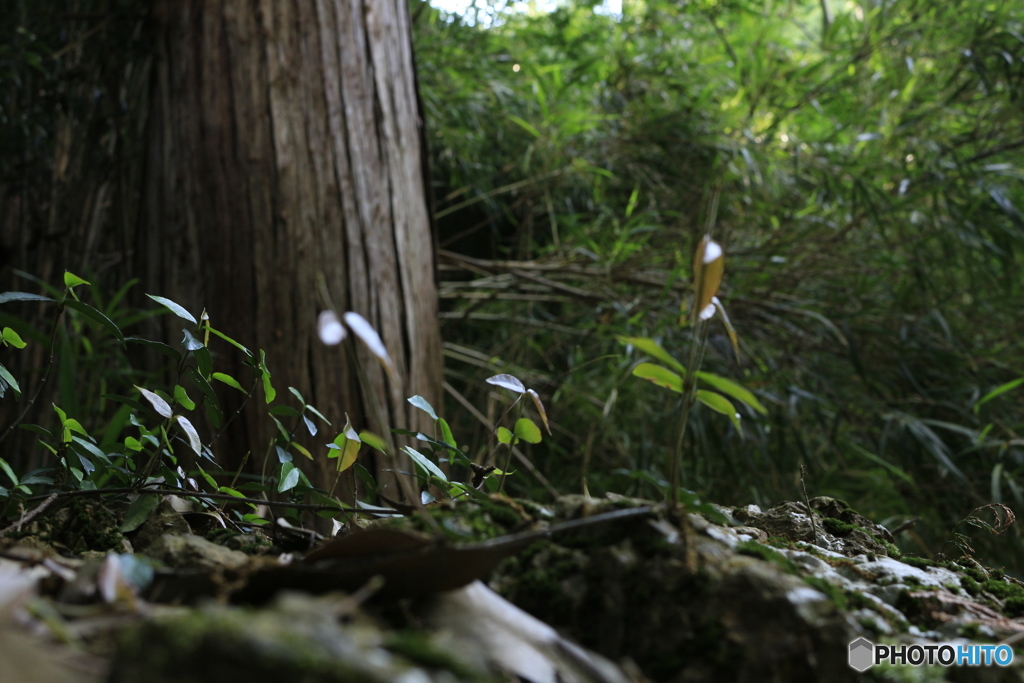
[{"x": 286, "y": 143}]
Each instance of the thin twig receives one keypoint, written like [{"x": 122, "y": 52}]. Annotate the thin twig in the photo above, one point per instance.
[{"x": 31, "y": 514}]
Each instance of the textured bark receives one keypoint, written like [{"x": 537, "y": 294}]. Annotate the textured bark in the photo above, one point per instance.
[{"x": 286, "y": 142}]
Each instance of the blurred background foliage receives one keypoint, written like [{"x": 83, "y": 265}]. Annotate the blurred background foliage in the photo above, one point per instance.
[{"x": 861, "y": 162}]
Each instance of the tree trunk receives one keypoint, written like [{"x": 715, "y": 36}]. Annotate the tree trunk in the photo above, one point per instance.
[{"x": 285, "y": 148}]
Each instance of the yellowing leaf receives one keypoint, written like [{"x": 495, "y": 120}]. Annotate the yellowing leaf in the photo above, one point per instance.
[
  {"x": 708, "y": 267},
  {"x": 540, "y": 409}
]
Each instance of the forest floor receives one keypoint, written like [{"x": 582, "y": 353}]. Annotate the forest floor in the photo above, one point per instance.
[{"x": 609, "y": 590}]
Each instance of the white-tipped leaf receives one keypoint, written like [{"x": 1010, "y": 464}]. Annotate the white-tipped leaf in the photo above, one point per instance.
[{"x": 329, "y": 328}]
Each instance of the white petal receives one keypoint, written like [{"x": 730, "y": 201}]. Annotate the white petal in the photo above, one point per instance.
[
  {"x": 708, "y": 312},
  {"x": 329, "y": 328}
]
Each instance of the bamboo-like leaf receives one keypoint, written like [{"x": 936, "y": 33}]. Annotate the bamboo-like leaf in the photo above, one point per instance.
[
  {"x": 998, "y": 391},
  {"x": 663, "y": 377},
  {"x": 720, "y": 404},
  {"x": 506, "y": 381},
  {"x": 708, "y": 267},
  {"x": 654, "y": 349},
  {"x": 727, "y": 386},
  {"x": 373, "y": 441}
]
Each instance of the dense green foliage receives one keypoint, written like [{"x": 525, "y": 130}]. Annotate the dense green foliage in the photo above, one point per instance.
[{"x": 863, "y": 171}]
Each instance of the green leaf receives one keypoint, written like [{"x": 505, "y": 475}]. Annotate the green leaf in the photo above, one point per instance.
[
  {"x": 720, "y": 404},
  {"x": 8, "y": 471},
  {"x": 733, "y": 389},
  {"x": 296, "y": 394},
  {"x": 72, "y": 280},
  {"x": 424, "y": 405},
  {"x": 268, "y": 388},
  {"x": 289, "y": 478},
  {"x": 446, "y": 433},
  {"x": 7, "y": 377},
  {"x": 425, "y": 463},
  {"x": 373, "y": 441},
  {"x": 139, "y": 511},
  {"x": 229, "y": 380},
  {"x": 96, "y": 316},
  {"x": 91, "y": 448},
  {"x": 159, "y": 405},
  {"x": 158, "y": 346},
  {"x": 318, "y": 414},
  {"x": 663, "y": 377},
  {"x": 301, "y": 449},
  {"x": 174, "y": 308},
  {"x": 253, "y": 518},
  {"x": 525, "y": 125},
  {"x": 189, "y": 342},
  {"x": 229, "y": 340},
  {"x": 13, "y": 338},
  {"x": 230, "y": 491},
  {"x": 527, "y": 430},
  {"x": 193, "y": 436},
  {"x": 653, "y": 349},
  {"x": 131, "y": 443},
  {"x": 998, "y": 391},
  {"x": 8, "y": 297},
  {"x": 181, "y": 396},
  {"x": 284, "y": 411},
  {"x": 504, "y": 436}
]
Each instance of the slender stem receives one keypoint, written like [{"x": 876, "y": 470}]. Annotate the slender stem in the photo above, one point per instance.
[
  {"x": 699, "y": 341},
  {"x": 42, "y": 380}
]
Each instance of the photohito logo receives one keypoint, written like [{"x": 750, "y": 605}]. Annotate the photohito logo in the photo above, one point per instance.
[{"x": 864, "y": 654}]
